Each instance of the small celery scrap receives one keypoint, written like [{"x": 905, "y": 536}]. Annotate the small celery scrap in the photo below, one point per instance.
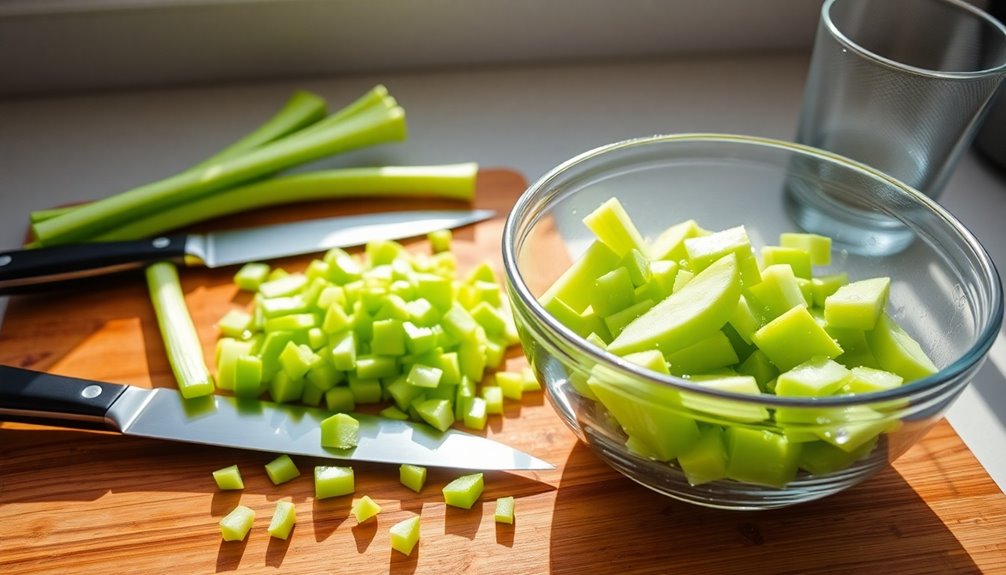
[{"x": 185, "y": 352}]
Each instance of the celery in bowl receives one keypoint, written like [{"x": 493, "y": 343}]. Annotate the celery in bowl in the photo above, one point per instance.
[{"x": 688, "y": 336}]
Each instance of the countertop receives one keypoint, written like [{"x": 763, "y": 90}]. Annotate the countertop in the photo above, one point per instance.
[{"x": 61, "y": 149}]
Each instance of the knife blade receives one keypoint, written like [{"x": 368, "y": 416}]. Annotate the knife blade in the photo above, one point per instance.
[
  {"x": 162, "y": 413},
  {"x": 24, "y": 270}
]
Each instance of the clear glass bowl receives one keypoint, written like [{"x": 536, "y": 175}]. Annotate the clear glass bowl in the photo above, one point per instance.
[{"x": 945, "y": 292}]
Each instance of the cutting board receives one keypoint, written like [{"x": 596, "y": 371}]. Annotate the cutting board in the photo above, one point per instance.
[{"x": 76, "y": 501}]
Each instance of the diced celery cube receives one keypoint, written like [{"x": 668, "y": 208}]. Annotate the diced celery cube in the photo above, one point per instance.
[
  {"x": 344, "y": 351},
  {"x": 662, "y": 275},
  {"x": 495, "y": 352},
  {"x": 422, "y": 312},
  {"x": 311, "y": 394},
  {"x": 236, "y": 323},
  {"x": 229, "y": 478},
  {"x": 435, "y": 289},
  {"x": 670, "y": 244},
  {"x": 511, "y": 384},
  {"x": 331, "y": 295},
  {"x": 530, "y": 380},
  {"x": 284, "y": 286},
  {"x": 436, "y": 412},
  {"x": 815, "y": 377},
  {"x": 291, "y": 322},
  {"x": 618, "y": 321},
  {"x": 440, "y": 240},
  {"x": 638, "y": 267},
  {"x": 280, "y": 306},
  {"x": 796, "y": 258},
  {"x": 819, "y": 247},
  {"x": 365, "y": 391},
  {"x": 281, "y": 469},
  {"x": 297, "y": 360},
  {"x": 778, "y": 292},
  {"x": 388, "y": 338},
  {"x": 760, "y": 456},
  {"x": 612, "y": 226},
  {"x": 474, "y": 415},
  {"x": 725, "y": 410},
  {"x": 323, "y": 375},
  {"x": 704, "y": 355},
  {"x": 706, "y": 459},
  {"x": 897, "y": 352},
  {"x": 317, "y": 269},
  {"x": 393, "y": 307},
  {"x": 342, "y": 267},
  {"x": 340, "y": 399},
  {"x": 869, "y": 380},
  {"x": 248, "y": 376},
  {"x": 365, "y": 508},
  {"x": 758, "y": 366},
  {"x": 504, "y": 510},
  {"x": 612, "y": 292},
  {"x": 332, "y": 481},
  {"x": 703, "y": 251},
  {"x": 340, "y": 431},
  {"x": 464, "y": 491},
  {"x": 596, "y": 261},
  {"x": 824, "y": 286},
  {"x": 251, "y": 276},
  {"x": 405, "y": 535},
  {"x": 425, "y": 376},
  {"x": 490, "y": 318},
  {"x": 336, "y": 320},
  {"x": 236, "y": 524},
  {"x": 857, "y": 305},
  {"x": 376, "y": 366},
  {"x": 793, "y": 338},
  {"x": 821, "y": 457},
  {"x": 412, "y": 476},
  {"x": 383, "y": 252},
  {"x": 272, "y": 346},
  {"x": 489, "y": 292},
  {"x": 494, "y": 398},
  {"x": 283, "y": 388},
  {"x": 283, "y": 519},
  {"x": 403, "y": 393}
]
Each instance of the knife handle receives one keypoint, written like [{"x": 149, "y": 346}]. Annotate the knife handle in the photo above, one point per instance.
[
  {"x": 21, "y": 271},
  {"x": 37, "y": 397}
]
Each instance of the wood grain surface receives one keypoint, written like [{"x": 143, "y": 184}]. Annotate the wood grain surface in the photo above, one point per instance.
[{"x": 97, "y": 503}]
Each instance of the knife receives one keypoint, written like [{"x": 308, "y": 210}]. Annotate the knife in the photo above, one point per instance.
[
  {"x": 162, "y": 413},
  {"x": 21, "y": 269}
]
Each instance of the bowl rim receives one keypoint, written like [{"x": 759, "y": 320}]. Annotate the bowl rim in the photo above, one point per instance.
[{"x": 971, "y": 358}]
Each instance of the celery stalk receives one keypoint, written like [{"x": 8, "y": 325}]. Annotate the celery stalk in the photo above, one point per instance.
[
  {"x": 300, "y": 111},
  {"x": 451, "y": 181},
  {"x": 370, "y": 126},
  {"x": 185, "y": 352}
]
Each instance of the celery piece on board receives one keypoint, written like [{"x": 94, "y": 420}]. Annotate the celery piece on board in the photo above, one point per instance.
[{"x": 181, "y": 342}]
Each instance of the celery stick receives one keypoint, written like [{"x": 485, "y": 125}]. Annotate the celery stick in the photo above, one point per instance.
[
  {"x": 181, "y": 342},
  {"x": 367, "y": 128},
  {"x": 454, "y": 181}
]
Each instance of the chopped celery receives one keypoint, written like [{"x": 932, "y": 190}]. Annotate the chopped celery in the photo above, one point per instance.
[
  {"x": 235, "y": 323},
  {"x": 181, "y": 342},
  {"x": 365, "y": 508},
  {"x": 281, "y": 469},
  {"x": 251, "y": 276},
  {"x": 229, "y": 478},
  {"x": 504, "y": 510},
  {"x": 425, "y": 376},
  {"x": 248, "y": 376},
  {"x": 412, "y": 476},
  {"x": 494, "y": 398},
  {"x": 511, "y": 384},
  {"x": 437, "y": 412},
  {"x": 340, "y": 399},
  {"x": 331, "y": 481},
  {"x": 283, "y": 519},
  {"x": 475, "y": 415},
  {"x": 236, "y": 524},
  {"x": 392, "y": 412},
  {"x": 405, "y": 535},
  {"x": 340, "y": 431},
  {"x": 440, "y": 240},
  {"x": 463, "y": 491}
]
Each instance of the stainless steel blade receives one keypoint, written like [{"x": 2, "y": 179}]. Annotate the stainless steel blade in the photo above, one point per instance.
[
  {"x": 280, "y": 240},
  {"x": 262, "y": 426}
]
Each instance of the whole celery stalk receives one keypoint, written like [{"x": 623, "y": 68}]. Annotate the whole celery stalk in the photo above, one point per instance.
[
  {"x": 452, "y": 181},
  {"x": 301, "y": 110},
  {"x": 374, "y": 124},
  {"x": 185, "y": 353}
]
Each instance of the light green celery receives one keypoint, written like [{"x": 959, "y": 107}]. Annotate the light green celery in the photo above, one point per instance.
[
  {"x": 370, "y": 127},
  {"x": 449, "y": 181},
  {"x": 181, "y": 342}
]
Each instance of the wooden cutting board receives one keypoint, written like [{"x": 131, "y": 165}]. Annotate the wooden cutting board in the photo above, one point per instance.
[{"x": 76, "y": 501}]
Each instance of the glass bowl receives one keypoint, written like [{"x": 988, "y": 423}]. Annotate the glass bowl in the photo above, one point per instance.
[{"x": 944, "y": 291}]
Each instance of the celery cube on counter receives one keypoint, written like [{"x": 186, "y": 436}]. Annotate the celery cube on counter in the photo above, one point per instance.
[
  {"x": 281, "y": 469},
  {"x": 365, "y": 508},
  {"x": 228, "y": 478},
  {"x": 340, "y": 431},
  {"x": 251, "y": 276},
  {"x": 493, "y": 395},
  {"x": 235, "y": 323},
  {"x": 405, "y": 535},
  {"x": 340, "y": 399},
  {"x": 463, "y": 491},
  {"x": 504, "y": 510},
  {"x": 440, "y": 241},
  {"x": 412, "y": 476},
  {"x": 283, "y": 520},
  {"x": 236, "y": 524},
  {"x": 436, "y": 412},
  {"x": 332, "y": 481}
]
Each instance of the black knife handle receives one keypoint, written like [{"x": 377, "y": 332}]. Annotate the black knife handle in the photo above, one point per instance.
[
  {"x": 37, "y": 397},
  {"x": 22, "y": 271}
]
